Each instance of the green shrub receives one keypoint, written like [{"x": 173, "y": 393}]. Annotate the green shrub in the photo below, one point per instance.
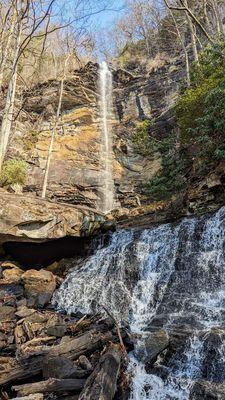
[
  {"x": 30, "y": 139},
  {"x": 14, "y": 171},
  {"x": 200, "y": 109},
  {"x": 171, "y": 178},
  {"x": 141, "y": 139}
]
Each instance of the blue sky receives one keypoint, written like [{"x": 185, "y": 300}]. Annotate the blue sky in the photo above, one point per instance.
[
  {"x": 72, "y": 9},
  {"x": 106, "y": 18}
]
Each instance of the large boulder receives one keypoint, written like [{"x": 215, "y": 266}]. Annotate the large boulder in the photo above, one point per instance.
[
  {"x": 7, "y": 313},
  {"x": 39, "y": 286},
  {"x": 61, "y": 368},
  {"x": 153, "y": 345},
  {"x": 29, "y": 218},
  {"x": 11, "y": 273},
  {"x": 205, "y": 390}
]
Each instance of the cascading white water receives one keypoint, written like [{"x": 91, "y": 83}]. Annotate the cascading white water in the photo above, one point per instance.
[
  {"x": 171, "y": 277},
  {"x": 106, "y": 180}
]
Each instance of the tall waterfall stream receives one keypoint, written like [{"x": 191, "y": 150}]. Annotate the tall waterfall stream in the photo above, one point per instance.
[
  {"x": 170, "y": 277},
  {"x": 107, "y": 183}
]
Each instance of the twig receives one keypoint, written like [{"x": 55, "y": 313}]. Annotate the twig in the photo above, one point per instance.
[{"x": 123, "y": 348}]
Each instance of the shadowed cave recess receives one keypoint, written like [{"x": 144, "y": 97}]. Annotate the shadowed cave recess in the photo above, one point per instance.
[{"x": 39, "y": 255}]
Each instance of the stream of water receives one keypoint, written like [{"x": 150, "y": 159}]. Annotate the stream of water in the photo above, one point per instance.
[
  {"x": 170, "y": 277},
  {"x": 106, "y": 180}
]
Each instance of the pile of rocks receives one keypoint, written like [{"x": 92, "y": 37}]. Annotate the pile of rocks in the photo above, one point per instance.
[{"x": 46, "y": 354}]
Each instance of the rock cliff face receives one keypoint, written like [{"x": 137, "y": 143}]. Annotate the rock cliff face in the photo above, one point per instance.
[{"x": 75, "y": 167}]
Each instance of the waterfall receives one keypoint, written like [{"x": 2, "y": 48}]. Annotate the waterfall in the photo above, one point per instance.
[
  {"x": 106, "y": 183},
  {"x": 169, "y": 277}
]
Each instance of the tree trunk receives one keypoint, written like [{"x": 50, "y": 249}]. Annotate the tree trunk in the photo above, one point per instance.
[
  {"x": 30, "y": 363},
  {"x": 5, "y": 47},
  {"x": 217, "y": 13},
  {"x": 187, "y": 64},
  {"x": 193, "y": 35},
  {"x": 51, "y": 385},
  {"x": 10, "y": 101},
  {"x": 37, "y": 396},
  {"x": 206, "y": 16},
  {"x": 101, "y": 384},
  {"x": 54, "y": 130}
]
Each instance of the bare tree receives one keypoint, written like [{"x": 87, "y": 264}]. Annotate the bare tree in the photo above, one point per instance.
[
  {"x": 55, "y": 125},
  {"x": 217, "y": 14},
  {"x": 33, "y": 20},
  {"x": 30, "y": 16},
  {"x": 10, "y": 99},
  {"x": 182, "y": 42},
  {"x": 8, "y": 22},
  {"x": 184, "y": 7}
]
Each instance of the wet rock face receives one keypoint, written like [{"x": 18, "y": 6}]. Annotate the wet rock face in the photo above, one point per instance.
[
  {"x": 205, "y": 390},
  {"x": 173, "y": 303},
  {"x": 75, "y": 171},
  {"x": 153, "y": 345}
]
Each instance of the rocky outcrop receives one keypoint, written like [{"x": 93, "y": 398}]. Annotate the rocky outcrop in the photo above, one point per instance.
[
  {"x": 149, "y": 95},
  {"x": 32, "y": 219},
  {"x": 75, "y": 171}
]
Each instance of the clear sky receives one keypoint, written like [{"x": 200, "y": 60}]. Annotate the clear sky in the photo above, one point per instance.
[
  {"x": 106, "y": 18},
  {"x": 71, "y": 9}
]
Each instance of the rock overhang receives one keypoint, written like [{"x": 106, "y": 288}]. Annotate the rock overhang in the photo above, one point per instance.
[{"x": 29, "y": 218}]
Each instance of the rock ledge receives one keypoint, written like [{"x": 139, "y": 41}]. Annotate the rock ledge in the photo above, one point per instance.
[{"x": 27, "y": 218}]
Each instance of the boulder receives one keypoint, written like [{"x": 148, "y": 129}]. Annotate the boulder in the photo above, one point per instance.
[
  {"x": 57, "y": 367},
  {"x": 84, "y": 363},
  {"x": 153, "y": 345},
  {"x": 7, "y": 313},
  {"x": 39, "y": 286},
  {"x": 23, "y": 311},
  {"x": 12, "y": 274},
  {"x": 58, "y": 330},
  {"x": 205, "y": 390},
  {"x": 3, "y": 340},
  {"x": 61, "y": 368}
]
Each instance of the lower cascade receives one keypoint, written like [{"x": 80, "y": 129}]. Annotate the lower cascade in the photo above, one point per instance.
[{"x": 167, "y": 282}]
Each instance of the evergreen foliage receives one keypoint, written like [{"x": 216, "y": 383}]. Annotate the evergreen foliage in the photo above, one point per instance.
[
  {"x": 200, "y": 109},
  {"x": 200, "y": 113},
  {"x": 171, "y": 177},
  {"x": 141, "y": 141}
]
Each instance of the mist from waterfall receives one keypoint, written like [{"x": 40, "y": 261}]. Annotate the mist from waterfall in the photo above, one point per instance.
[
  {"x": 106, "y": 176},
  {"x": 170, "y": 277}
]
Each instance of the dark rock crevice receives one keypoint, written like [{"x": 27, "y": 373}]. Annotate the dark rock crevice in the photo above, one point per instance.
[{"x": 39, "y": 255}]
